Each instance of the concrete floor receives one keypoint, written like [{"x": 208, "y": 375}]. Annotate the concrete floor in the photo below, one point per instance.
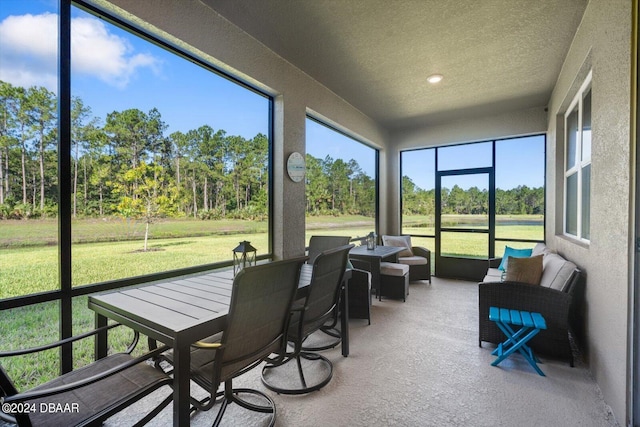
[{"x": 419, "y": 364}]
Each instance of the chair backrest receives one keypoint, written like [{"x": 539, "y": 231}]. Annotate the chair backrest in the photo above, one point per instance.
[
  {"x": 7, "y": 388},
  {"x": 318, "y": 244},
  {"x": 258, "y": 316},
  {"x": 324, "y": 290}
]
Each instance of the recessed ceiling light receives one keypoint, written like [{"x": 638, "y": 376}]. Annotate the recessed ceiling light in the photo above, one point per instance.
[{"x": 435, "y": 78}]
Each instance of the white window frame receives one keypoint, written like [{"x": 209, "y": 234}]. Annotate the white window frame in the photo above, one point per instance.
[{"x": 579, "y": 162}]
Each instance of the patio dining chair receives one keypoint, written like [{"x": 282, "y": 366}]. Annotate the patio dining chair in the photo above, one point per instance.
[
  {"x": 318, "y": 244},
  {"x": 259, "y": 314},
  {"x": 86, "y": 396},
  {"x": 308, "y": 317}
]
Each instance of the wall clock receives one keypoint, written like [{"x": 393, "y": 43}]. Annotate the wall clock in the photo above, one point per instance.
[{"x": 296, "y": 167}]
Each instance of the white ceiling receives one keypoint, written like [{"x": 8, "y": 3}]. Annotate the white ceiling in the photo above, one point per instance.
[{"x": 495, "y": 55}]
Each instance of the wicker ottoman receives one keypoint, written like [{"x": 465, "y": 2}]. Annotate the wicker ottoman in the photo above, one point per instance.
[{"x": 394, "y": 281}]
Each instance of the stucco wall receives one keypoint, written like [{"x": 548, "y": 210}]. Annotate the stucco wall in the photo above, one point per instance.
[
  {"x": 196, "y": 28},
  {"x": 602, "y": 44}
]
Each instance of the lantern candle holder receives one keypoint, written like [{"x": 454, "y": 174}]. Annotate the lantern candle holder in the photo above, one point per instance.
[
  {"x": 244, "y": 255},
  {"x": 371, "y": 241}
]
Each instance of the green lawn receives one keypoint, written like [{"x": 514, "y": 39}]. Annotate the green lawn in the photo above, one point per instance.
[
  {"x": 474, "y": 245},
  {"x": 29, "y": 265},
  {"x": 108, "y": 250}
]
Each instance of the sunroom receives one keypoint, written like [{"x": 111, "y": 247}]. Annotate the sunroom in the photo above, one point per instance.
[{"x": 175, "y": 123}]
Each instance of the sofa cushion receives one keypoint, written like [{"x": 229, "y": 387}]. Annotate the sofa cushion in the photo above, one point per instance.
[
  {"x": 400, "y": 242},
  {"x": 393, "y": 269},
  {"x": 525, "y": 270},
  {"x": 556, "y": 271},
  {"x": 493, "y": 275},
  {"x": 541, "y": 249},
  {"x": 512, "y": 252},
  {"x": 413, "y": 260}
]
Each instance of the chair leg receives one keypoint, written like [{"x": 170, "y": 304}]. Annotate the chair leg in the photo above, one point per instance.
[
  {"x": 231, "y": 395},
  {"x": 278, "y": 377},
  {"x": 155, "y": 412},
  {"x": 221, "y": 411},
  {"x": 331, "y": 331}
]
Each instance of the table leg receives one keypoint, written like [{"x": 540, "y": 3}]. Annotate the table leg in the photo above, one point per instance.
[
  {"x": 517, "y": 342},
  {"x": 512, "y": 337},
  {"x": 100, "y": 346},
  {"x": 344, "y": 318},
  {"x": 375, "y": 276},
  {"x": 181, "y": 384}
]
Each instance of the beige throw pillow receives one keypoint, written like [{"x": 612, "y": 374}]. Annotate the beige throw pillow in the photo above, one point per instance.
[
  {"x": 525, "y": 270},
  {"x": 400, "y": 242}
]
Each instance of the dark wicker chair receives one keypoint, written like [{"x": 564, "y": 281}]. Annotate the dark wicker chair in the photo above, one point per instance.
[
  {"x": 259, "y": 314},
  {"x": 561, "y": 310},
  {"x": 91, "y": 394},
  {"x": 359, "y": 291},
  {"x": 317, "y": 308},
  {"x": 418, "y": 269}
]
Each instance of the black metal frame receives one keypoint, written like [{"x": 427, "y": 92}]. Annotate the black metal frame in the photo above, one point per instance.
[
  {"x": 67, "y": 291},
  {"x": 377, "y": 168},
  {"x": 633, "y": 416},
  {"x": 468, "y": 268},
  {"x": 464, "y": 268}
]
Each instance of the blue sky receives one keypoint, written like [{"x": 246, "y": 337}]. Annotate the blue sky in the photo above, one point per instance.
[
  {"x": 323, "y": 141},
  {"x": 519, "y": 161},
  {"x": 113, "y": 70}
]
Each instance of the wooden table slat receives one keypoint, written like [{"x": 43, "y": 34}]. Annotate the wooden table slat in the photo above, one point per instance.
[
  {"x": 218, "y": 291},
  {"x": 147, "y": 312},
  {"x": 157, "y": 296},
  {"x": 197, "y": 297}
]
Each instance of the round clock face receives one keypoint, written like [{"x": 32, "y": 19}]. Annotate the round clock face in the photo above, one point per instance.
[{"x": 296, "y": 167}]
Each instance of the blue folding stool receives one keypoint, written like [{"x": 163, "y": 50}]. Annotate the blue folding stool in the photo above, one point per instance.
[{"x": 530, "y": 324}]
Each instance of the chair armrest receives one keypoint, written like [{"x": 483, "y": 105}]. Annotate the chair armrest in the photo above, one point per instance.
[
  {"x": 494, "y": 262},
  {"x": 69, "y": 340},
  {"x": 360, "y": 277},
  {"x": 40, "y": 393},
  {"x": 359, "y": 264},
  {"x": 420, "y": 251}
]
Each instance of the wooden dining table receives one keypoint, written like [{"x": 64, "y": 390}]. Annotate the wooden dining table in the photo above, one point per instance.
[{"x": 178, "y": 312}]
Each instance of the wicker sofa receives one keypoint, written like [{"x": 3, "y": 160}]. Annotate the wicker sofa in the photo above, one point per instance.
[{"x": 558, "y": 298}]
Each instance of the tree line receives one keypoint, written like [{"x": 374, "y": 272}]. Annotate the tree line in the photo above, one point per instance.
[
  {"x": 129, "y": 164},
  {"x": 125, "y": 164},
  {"x": 520, "y": 200}
]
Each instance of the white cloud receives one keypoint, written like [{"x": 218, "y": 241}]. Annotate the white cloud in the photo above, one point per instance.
[{"x": 28, "y": 51}]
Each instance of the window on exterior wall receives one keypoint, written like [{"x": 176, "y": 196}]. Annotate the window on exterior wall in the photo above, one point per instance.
[
  {"x": 168, "y": 158},
  {"x": 577, "y": 176},
  {"x": 169, "y": 166},
  {"x": 520, "y": 192},
  {"x": 28, "y": 148},
  {"x": 341, "y": 190},
  {"x": 418, "y": 195},
  {"x": 519, "y": 167}
]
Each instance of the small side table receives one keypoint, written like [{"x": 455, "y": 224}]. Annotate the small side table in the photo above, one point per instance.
[{"x": 529, "y": 325}]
